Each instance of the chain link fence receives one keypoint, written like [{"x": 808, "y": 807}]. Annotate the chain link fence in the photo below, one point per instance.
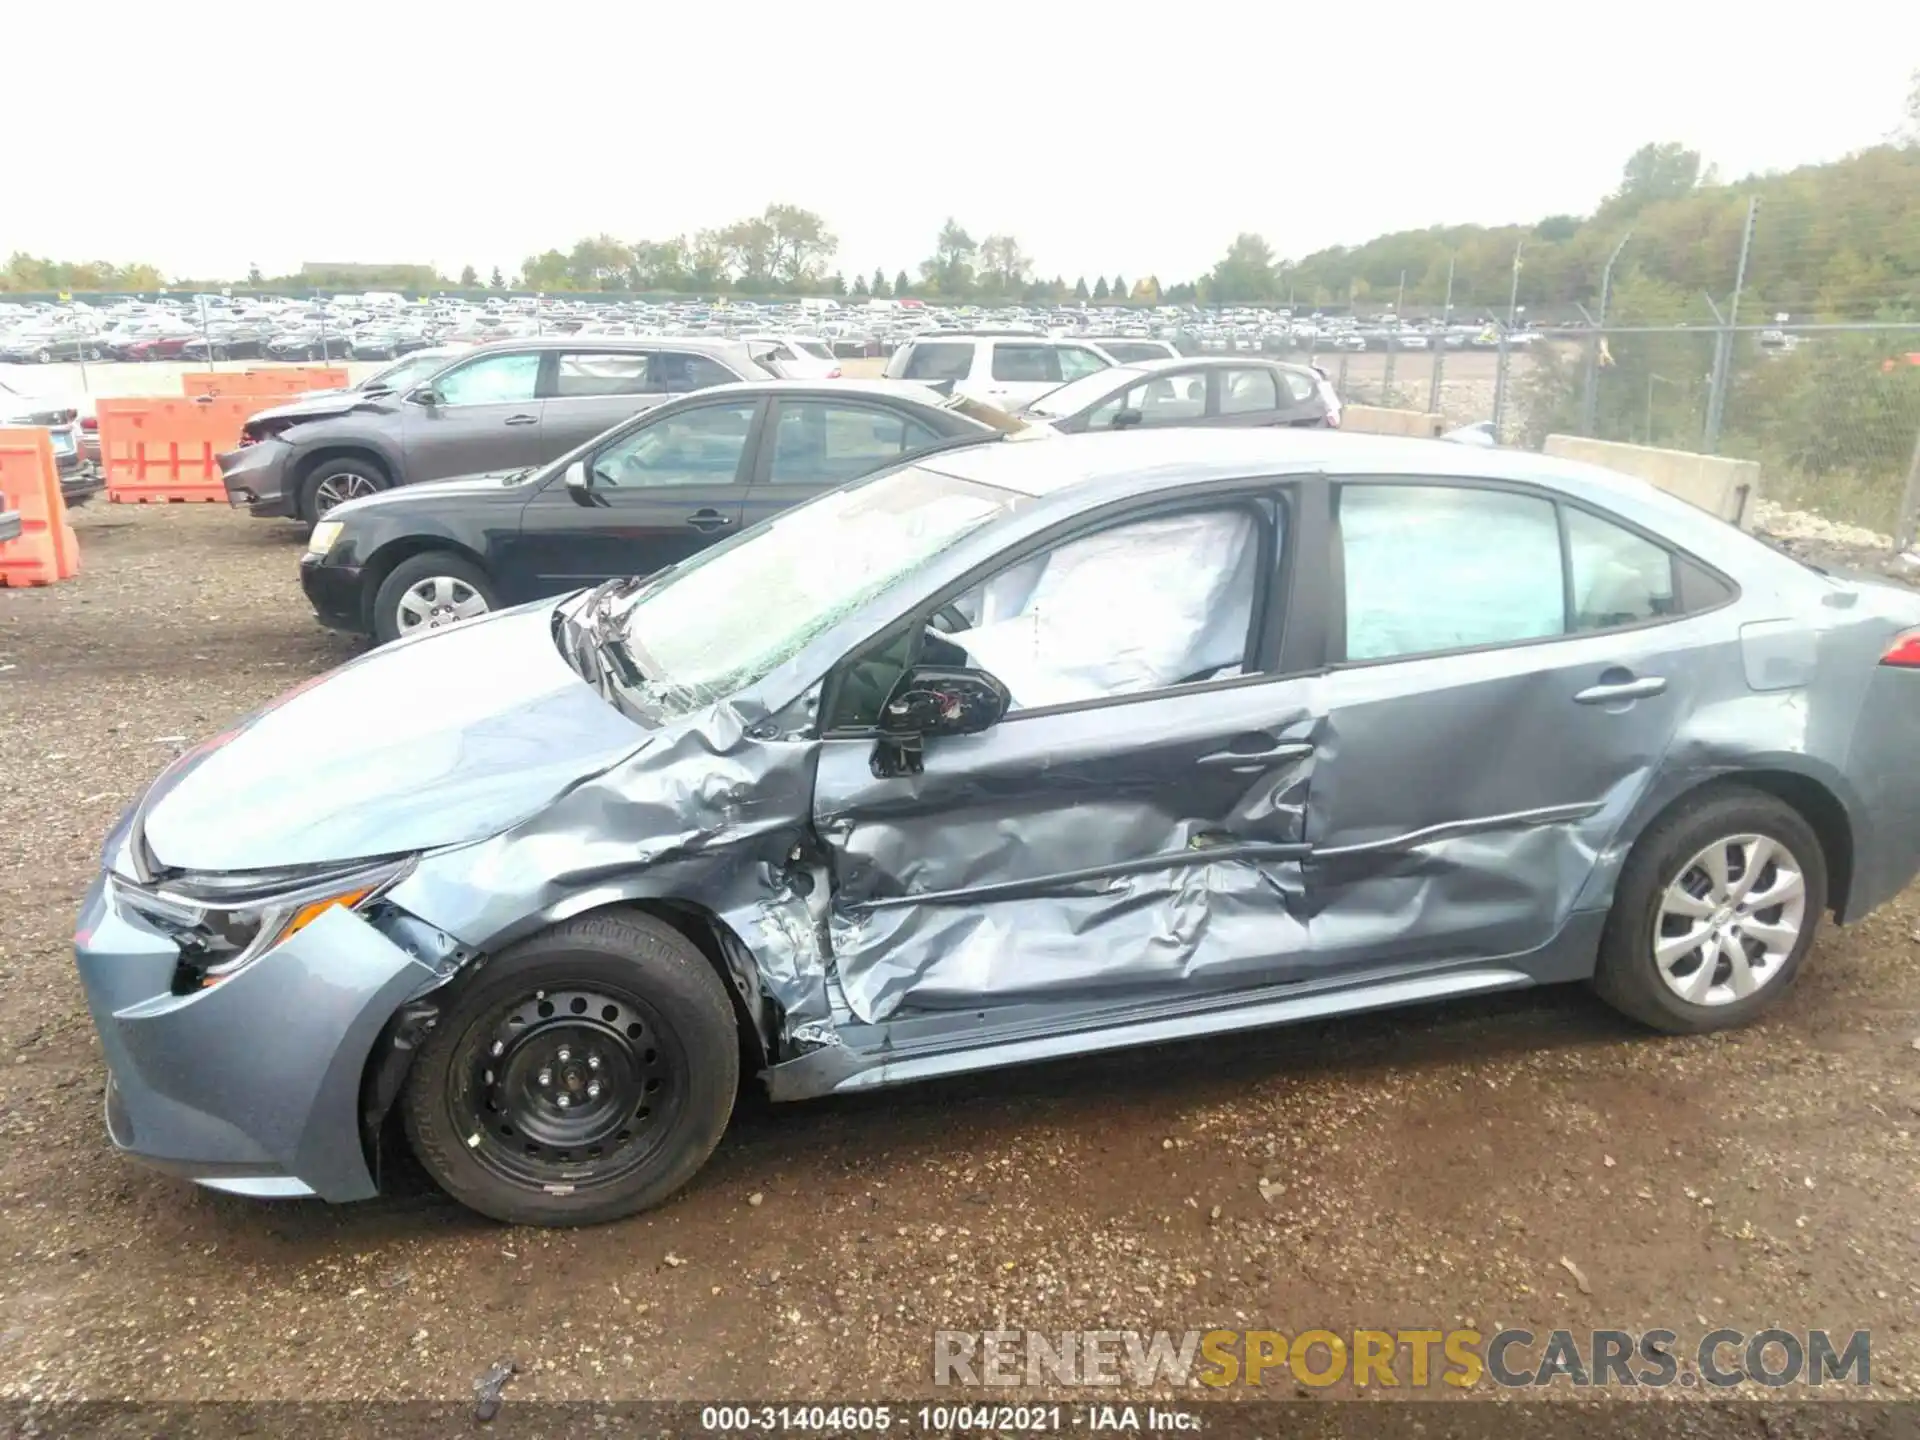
[{"x": 1831, "y": 412}]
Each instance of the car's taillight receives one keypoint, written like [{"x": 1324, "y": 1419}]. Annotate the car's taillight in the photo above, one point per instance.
[{"x": 1904, "y": 651}]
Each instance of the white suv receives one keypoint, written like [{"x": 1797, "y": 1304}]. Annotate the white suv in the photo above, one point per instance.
[{"x": 1008, "y": 370}]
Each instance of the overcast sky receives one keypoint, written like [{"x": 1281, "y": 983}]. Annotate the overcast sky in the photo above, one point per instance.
[{"x": 1130, "y": 138}]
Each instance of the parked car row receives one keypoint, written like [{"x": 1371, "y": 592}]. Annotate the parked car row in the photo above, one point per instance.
[
  {"x": 383, "y": 327},
  {"x": 580, "y": 458}
]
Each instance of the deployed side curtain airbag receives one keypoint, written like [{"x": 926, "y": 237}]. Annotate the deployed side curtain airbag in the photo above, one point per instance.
[{"x": 1132, "y": 609}]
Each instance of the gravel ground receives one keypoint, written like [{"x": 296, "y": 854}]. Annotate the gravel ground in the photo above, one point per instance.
[{"x": 1427, "y": 1167}]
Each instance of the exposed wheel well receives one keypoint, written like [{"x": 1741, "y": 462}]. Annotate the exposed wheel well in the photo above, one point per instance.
[
  {"x": 715, "y": 939},
  {"x": 384, "y": 561},
  {"x": 1816, "y": 804}
]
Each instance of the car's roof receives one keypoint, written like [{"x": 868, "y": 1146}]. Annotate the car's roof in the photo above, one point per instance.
[
  {"x": 1111, "y": 465},
  {"x": 911, "y": 391},
  {"x": 704, "y": 344}
]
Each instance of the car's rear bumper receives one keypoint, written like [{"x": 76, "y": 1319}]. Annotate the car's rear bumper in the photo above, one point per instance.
[
  {"x": 335, "y": 592},
  {"x": 253, "y": 1085},
  {"x": 256, "y": 477}
]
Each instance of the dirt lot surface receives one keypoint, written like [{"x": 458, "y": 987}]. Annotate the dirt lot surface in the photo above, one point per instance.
[{"x": 1442, "y": 1167}]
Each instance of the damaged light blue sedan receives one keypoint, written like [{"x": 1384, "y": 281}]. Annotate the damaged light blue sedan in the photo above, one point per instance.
[{"x": 1019, "y": 751}]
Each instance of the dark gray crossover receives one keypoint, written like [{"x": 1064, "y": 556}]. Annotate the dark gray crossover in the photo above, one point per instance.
[
  {"x": 1011, "y": 752},
  {"x": 505, "y": 406}
]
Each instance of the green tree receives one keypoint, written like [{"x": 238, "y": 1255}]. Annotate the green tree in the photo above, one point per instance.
[
  {"x": 254, "y": 277},
  {"x": 1245, "y": 274},
  {"x": 837, "y": 283},
  {"x": 949, "y": 270},
  {"x": 880, "y": 287},
  {"x": 1080, "y": 290},
  {"x": 469, "y": 278},
  {"x": 860, "y": 290},
  {"x": 1004, "y": 266},
  {"x": 1099, "y": 287},
  {"x": 548, "y": 271},
  {"x": 902, "y": 285},
  {"x": 1653, "y": 173},
  {"x": 800, "y": 244},
  {"x": 497, "y": 281}
]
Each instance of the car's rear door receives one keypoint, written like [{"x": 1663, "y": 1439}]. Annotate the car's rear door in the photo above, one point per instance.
[
  {"x": 813, "y": 443},
  {"x": 657, "y": 494},
  {"x": 1493, "y": 713}
]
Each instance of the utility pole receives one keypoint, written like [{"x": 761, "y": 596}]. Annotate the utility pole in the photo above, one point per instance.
[
  {"x": 1590, "y": 403},
  {"x": 1723, "y": 352},
  {"x": 1440, "y": 345},
  {"x": 1513, "y": 295}
]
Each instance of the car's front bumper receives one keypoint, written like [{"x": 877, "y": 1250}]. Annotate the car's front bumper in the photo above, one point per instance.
[
  {"x": 256, "y": 476},
  {"x": 335, "y": 592},
  {"x": 254, "y": 1084}
]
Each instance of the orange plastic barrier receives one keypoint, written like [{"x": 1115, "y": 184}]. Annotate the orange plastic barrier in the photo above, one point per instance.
[
  {"x": 281, "y": 380},
  {"x": 46, "y": 549},
  {"x": 165, "y": 449}
]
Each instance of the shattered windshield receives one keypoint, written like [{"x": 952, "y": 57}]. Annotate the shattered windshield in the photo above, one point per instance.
[{"x": 731, "y": 616}]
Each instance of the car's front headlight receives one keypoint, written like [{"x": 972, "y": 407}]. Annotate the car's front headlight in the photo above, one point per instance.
[
  {"x": 323, "y": 536},
  {"x": 223, "y": 923}
]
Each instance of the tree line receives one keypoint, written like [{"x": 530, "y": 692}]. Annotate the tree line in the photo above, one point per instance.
[{"x": 1837, "y": 239}]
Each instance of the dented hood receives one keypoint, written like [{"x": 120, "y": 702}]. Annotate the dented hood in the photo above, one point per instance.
[
  {"x": 324, "y": 405},
  {"x": 449, "y": 738}
]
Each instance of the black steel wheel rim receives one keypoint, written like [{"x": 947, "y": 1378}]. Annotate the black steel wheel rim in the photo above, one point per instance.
[{"x": 569, "y": 1088}]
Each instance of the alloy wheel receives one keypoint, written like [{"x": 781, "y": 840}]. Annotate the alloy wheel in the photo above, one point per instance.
[
  {"x": 335, "y": 489},
  {"x": 1729, "y": 920}
]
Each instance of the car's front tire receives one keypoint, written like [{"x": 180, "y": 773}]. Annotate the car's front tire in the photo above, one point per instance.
[
  {"x": 581, "y": 1076},
  {"x": 428, "y": 592},
  {"x": 1715, "y": 909},
  {"x": 336, "y": 480}
]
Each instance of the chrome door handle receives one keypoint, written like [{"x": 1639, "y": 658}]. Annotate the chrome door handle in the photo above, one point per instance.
[
  {"x": 1625, "y": 690},
  {"x": 523, "y": 420},
  {"x": 708, "y": 520},
  {"x": 1255, "y": 759}
]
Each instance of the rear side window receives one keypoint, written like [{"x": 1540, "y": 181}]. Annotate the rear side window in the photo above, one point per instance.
[
  {"x": 1026, "y": 363},
  {"x": 1430, "y": 568},
  {"x": 675, "y": 372},
  {"x": 1443, "y": 567},
  {"x": 1299, "y": 386},
  {"x": 820, "y": 443},
  {"x": 1619, "y": 578},
  {"x": 1243, "y": 392},
  {"x": 939, "y": 361},
  {"x": 600, "y": 374}
]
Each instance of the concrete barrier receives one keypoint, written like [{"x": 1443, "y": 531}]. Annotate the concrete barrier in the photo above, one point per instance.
[
  {"x": 1374, "y": 420},
  {"x": 1727, "y": 488}
]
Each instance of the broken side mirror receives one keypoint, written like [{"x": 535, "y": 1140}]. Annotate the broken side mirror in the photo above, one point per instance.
[{"x": 930, "y": 701}]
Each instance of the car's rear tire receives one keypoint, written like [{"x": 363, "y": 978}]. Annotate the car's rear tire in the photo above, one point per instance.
[
  {"x": 430, "y": 591},
  {"x": 336, "y": 480},
  {"x": 1715, "y": 909},
  {"x": 581, "y": 1076}
]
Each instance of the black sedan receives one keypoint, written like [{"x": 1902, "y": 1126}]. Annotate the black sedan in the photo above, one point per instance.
[
  {"x": 646, "y": 494},
  {"x": 1194, "y": 390}
]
